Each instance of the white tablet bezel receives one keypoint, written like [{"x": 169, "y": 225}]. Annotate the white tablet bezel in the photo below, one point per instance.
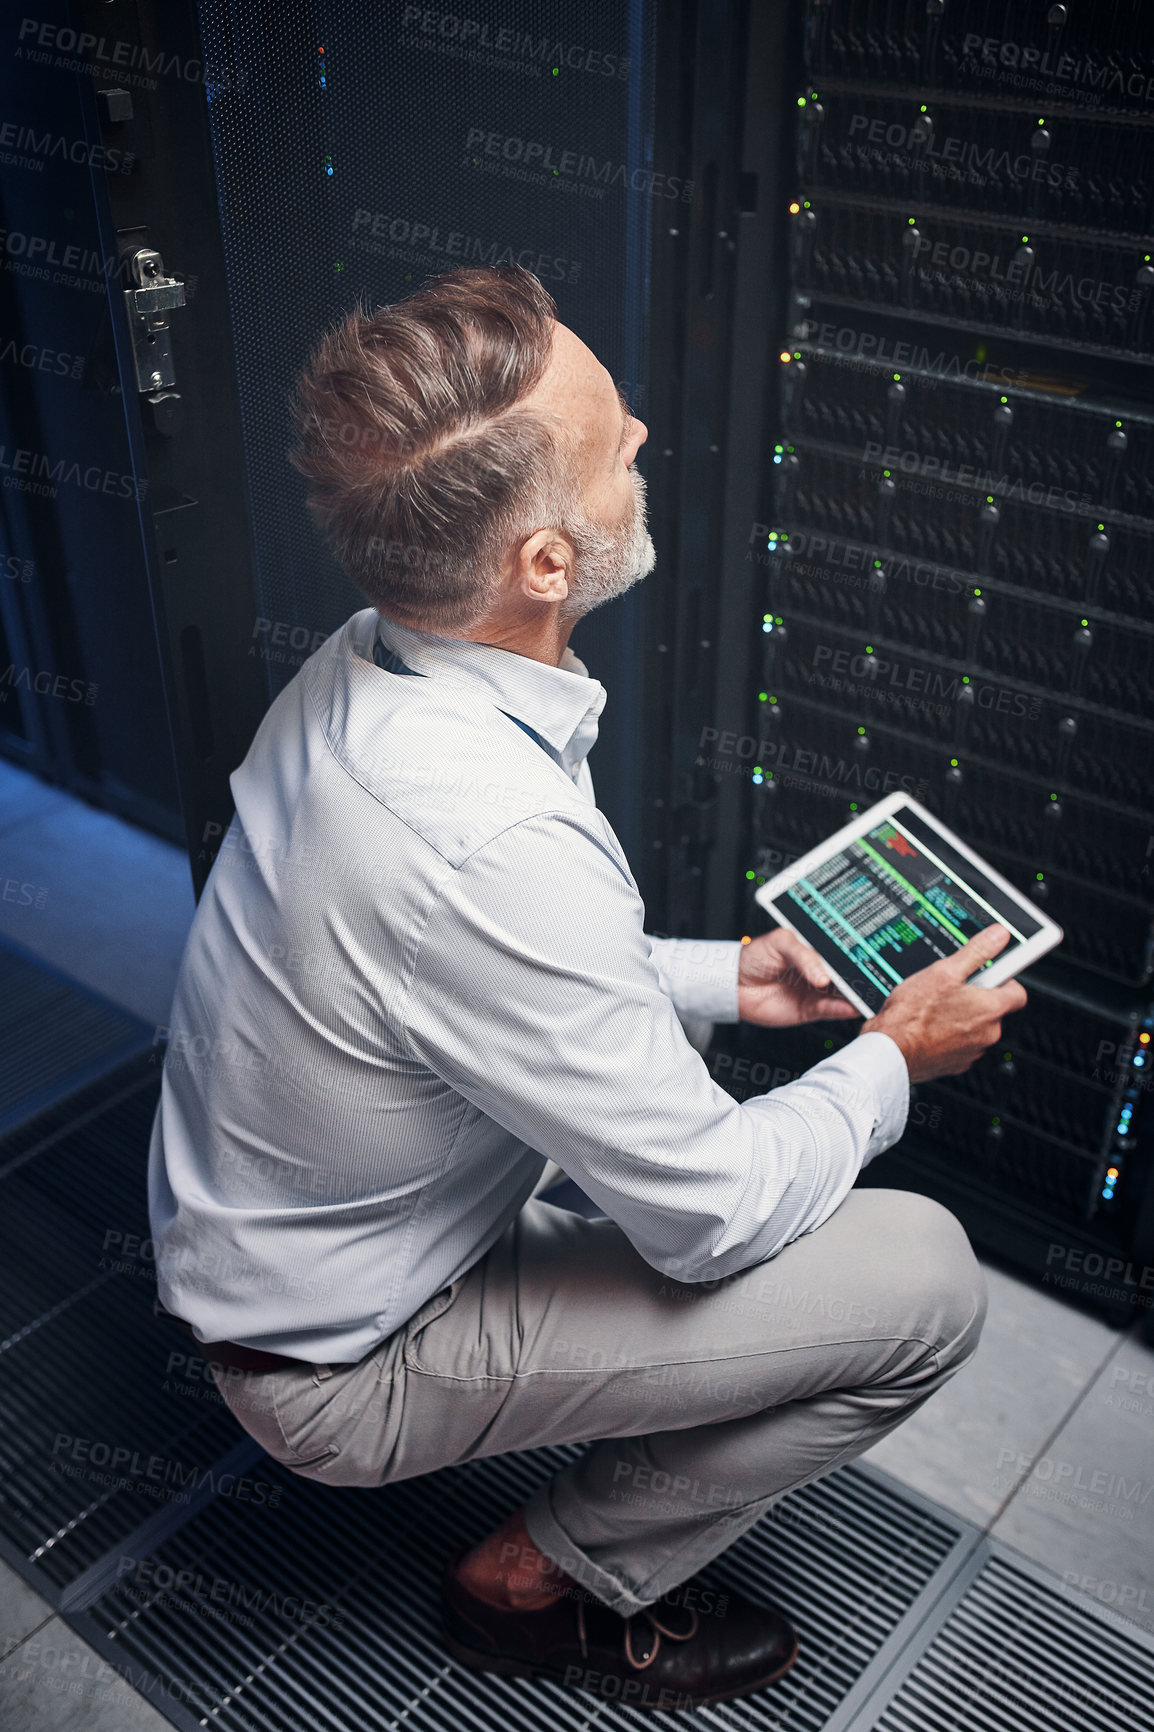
[{"x": 1002, "y": 968}]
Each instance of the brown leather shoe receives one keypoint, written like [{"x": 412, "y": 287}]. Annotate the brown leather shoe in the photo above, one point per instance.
[{"x": 694, "y": 1646}]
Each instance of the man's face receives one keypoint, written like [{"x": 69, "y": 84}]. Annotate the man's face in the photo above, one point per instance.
[{"x": 610, "y": 538}]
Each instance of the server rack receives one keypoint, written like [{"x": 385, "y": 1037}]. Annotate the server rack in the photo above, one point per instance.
[{"x": 957, "y": 594}]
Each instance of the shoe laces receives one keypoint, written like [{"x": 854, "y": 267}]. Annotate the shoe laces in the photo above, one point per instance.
[{"x": 650, "y": 1620}]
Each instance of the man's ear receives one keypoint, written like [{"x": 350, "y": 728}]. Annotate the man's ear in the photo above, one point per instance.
[{"x": 543, "y": 566}]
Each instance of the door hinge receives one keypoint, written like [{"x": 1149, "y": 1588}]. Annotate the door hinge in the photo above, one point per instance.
[{"x": 149, "y": 303}]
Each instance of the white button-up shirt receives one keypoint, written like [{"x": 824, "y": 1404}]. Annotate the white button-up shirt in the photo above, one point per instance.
[{"x": 417, "y": 970}]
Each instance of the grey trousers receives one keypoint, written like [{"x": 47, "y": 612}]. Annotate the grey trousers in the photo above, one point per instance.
[{"x": 704, "y": 1404}]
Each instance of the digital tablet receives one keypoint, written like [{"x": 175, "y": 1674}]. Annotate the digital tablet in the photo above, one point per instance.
[{"x": 892, "y": 892}]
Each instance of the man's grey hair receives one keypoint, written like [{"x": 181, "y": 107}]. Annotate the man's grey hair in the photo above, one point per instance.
[{"x": 424, "y": 466}]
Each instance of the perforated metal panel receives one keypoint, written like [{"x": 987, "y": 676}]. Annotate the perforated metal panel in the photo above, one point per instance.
[{"x": 361, "y": 148}]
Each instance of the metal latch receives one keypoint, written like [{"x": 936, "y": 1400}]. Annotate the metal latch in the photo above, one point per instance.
[{"x": 149, "y": 304}]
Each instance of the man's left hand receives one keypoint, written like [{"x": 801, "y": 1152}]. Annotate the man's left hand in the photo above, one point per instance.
[{"x": 782, "y": 981}]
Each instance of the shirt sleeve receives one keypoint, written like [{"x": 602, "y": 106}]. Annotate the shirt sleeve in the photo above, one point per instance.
[
  {"x": 535, "y": 995},
  {"x": 699, "y": 975}
]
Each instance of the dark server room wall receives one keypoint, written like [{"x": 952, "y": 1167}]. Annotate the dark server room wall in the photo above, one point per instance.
[{"x": 958, "y": 594}]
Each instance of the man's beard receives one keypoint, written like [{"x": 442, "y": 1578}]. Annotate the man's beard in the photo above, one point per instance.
[{"x": 608, "y": 562}]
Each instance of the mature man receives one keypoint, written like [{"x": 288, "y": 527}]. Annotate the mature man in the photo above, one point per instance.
[{"x": 419, "y": 970}]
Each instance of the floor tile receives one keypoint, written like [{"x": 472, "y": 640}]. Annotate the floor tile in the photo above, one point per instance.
[
  {"x": 54, "y": 1682},
  {"x": 21, "y": 795},
  {"x": 21, "y": 1609},
  {"x": 1085, "y": 1504},
  {"x": 1036, "y": 1358}
]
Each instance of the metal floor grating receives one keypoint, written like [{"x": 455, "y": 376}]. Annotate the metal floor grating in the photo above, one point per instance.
[
  {"x": 56, "y": 1036},
  {"x": 99, "y": 1441},
  {"x": 213, "y": 1628},
  {"x": 1019, "y": 1654}
]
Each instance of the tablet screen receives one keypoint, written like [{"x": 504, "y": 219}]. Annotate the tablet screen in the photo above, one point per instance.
[{"x": 894, "y": 900}]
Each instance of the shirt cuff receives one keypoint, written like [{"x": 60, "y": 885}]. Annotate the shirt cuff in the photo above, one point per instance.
[
  {"x": 699, "y": 975},
  {"x": 881, "y": 1065}
]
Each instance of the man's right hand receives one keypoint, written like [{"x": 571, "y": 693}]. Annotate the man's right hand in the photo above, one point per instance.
[{"x": 940, "y": 1022}]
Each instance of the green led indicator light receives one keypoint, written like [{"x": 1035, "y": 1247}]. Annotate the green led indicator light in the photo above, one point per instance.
[
  {"x": 989, "y": 499},
  {"x": 1101, "y": 526},
  {"x": 778, "y": 620},
  {"x": 953, "y": 763},
  {"x": 995, "y": 1120},
  {"x": 885, "y": 471},
  {"x": 861, "y": 730},
  {"x": 1053, "y": 796},
  {"x": 801, "y": 102},
  {"x": 1025, "y": 240},
  {"x": 1003, "y": 399},
  {"x": 877, "y": 564},
  {"x": 750, "y": 876},
  {"x": 1039, "y": 876},
  {"x": 556, "y": 70},
  {"x": 761, "y": 697},
  {"x": 869, "y": 649},
  {"x": 977, "y": 592},
  {"x": 1117, "y": 423},
  {"x": 1041, "y": 122},
  {"x": 1007, "y": 1055},
  {"x": 853, "y": 805},
  {"x": 910, "y": 221},
  {"x": 761, "y": 881},
  {"x": 773, "y": 700},
  {"x": 923, "y": 108},
  {"x": 898, "y": 378},
  {"x": 965, "y": 679},
  {"x": 805, "y": 204},
  {"x": 828, "y": 1045}
]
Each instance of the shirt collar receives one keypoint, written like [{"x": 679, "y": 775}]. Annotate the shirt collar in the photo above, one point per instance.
[{"x": 561, "y": 704}]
